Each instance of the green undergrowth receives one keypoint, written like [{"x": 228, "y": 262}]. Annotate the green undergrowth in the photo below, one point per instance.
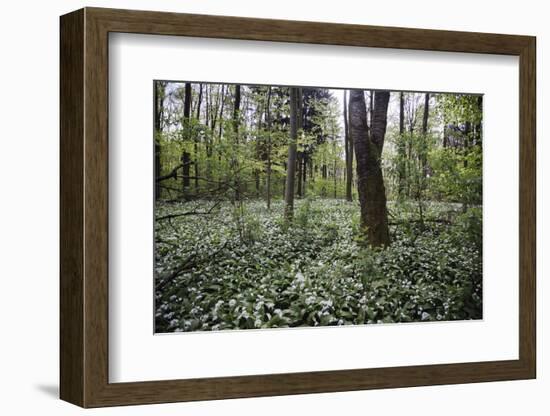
[{"x": 243, "y": 267}]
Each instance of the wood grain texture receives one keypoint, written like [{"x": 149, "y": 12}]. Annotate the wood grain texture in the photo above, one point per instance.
[
  {"x": 84, "y": 207},
  {"x": 527, "y": 207},
  {"x": 71, "y": 100}
]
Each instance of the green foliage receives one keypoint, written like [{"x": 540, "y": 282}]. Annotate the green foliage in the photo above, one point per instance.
[
  {"x": 313, "y": 273},
  {"x": 456, "y": 175}
]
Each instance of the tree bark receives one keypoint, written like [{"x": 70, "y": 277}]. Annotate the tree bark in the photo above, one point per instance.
[
  {"x": 291, "y": 162},
  {"x": 368, "y": 151}
]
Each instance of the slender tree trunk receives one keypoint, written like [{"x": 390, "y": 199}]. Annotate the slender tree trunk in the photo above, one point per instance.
[
  {"x": 159, "y": 112},
  {"x": 268, "y": 127},
  {"x": 299, "y": 125},
  {"x": 304, "y": 173},
  {"x": 424, "y": 153},
  {"x": 236, "y": 121},
  {"x": 220, "y": 133},
  {"x": 426, "y": 114},
  {"x": 300, "y": 174},
  {"x": 260, "y": 147},
  {"x": 335, "y": 179},
  {"x": 368, "y": 151},
  {"x": 186, "y": 158},
  {"x": 478, "y": 127},
  {"x": 401, "y": 150},
  {"x": 349, "y": 150},
  {"x": 196, "y": 144},
  {"x": 291, "y": 162},
  {"x": 466, "y": 149},
  {"x": 371, "y": 106}
]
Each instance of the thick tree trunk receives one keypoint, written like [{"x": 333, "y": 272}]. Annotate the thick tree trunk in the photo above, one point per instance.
[
  {"x": 368, "y": 151},
  {"x": 186, "y": 158},
  {"x": 291, "y": 162}
]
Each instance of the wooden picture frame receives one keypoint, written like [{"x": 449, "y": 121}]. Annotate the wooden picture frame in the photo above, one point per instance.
[{"x": 84, "y": 207}]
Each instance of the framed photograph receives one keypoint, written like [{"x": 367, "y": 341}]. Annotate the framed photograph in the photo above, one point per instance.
[{"x": 256, "y": 207}]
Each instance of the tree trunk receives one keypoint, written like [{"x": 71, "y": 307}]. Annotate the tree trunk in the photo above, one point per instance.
[
  {"x": 186, "y": 158},
  {"x": 304, "y": 173},
  {"x": 401, "y": 150},
  {"x": 291, "y": 162},
  {"x": 299, "y": 126},
  {"x": 299, "y": 190},
  {"x": 159, "y": 111},
  {"x": 368, "y": 151},
  {"x": 236, "y": 120},
  {"x": 222, "y": 100},
  {"x": 196, "y": 144},
  {"x": 259, "y": 147},
  {"x": 424, "y": 153},
  {"x": 268, "y": 126},
  {"x": 478, "y": 135},
  {"x": 371, "y": 106},
  {"x": 349, "y": 150}
]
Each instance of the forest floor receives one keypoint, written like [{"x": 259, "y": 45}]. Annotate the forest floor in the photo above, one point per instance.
[{"x": 220, "y": 266}]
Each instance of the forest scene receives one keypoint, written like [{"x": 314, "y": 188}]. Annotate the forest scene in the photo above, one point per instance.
[{"x": 285, "y": 206}]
